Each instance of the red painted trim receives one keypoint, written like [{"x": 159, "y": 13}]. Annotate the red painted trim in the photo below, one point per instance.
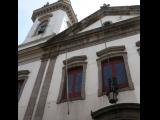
[
  {"x": 112, "y": 62},
  {"x": 74, "y": 71}
]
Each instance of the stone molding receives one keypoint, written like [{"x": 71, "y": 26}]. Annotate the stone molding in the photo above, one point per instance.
[
  {"x": 110, "y": 49},
  {"x": 122, "y": 10},
  {"x": 22, "y": 73},
  {"x": 35, "y": 91},
  {"x": 44, "y": 92},
  {"x": 45, "y": 17},
  {"x": 35, "y": 41},
  {"x": 119, "y": 28},
  {"x": 126, "y": 111},
  {"x": 75, "y": 59}
]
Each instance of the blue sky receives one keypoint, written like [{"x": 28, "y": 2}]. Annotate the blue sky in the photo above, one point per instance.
[{"x": 82, "y": 8}]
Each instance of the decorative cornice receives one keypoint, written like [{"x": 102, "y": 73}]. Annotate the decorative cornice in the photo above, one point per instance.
[
  {"x": 75, "y": 59},
  {"x": 23, "y": 72},
  {"x": 128, "y": 25},
  {"x": 118, "y": 107},
  {"x": 110, "y": 49},
  {"x": 45, "y": 17},
  {"x": 89, "y": 38},
  {"x": 118, "y": 10},
  {"x": 36, "y": 41},
  {"x": 67, "y": 1},
  {"x": 53, "y": 7}
]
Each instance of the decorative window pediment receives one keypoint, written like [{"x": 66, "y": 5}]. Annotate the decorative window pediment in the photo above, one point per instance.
[
  {"x": 75, "y": 59},
  {"x": 110, "y": 50},
  {"x": 45, "y": 17},
  {"x": 76, "y": 71}
]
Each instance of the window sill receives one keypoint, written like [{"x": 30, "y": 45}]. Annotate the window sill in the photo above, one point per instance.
[
  {"x": 70, "y": 100},
  {"x": 119, "y": 90}
]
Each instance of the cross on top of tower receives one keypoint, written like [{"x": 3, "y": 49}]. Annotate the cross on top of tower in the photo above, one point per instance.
[
  {"x": 47, "y": 4},
  {"x": 68, "y": 1}
]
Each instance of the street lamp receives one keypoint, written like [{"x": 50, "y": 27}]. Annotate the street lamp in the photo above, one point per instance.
[{"x": 113, "y": 90}]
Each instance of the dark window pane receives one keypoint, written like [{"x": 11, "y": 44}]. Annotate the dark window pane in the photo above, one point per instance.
[
  {"x": 121, "y": 75},
  {"x": 42, "y": 28},
  {"x": 107, "y": 23},
  {"x": 74, "y": 83},
  {"x": 106, "y": 75},
  {"x": 114, "y": 68}
]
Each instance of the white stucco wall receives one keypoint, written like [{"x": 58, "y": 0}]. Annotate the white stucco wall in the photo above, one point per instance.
[
  {"x": 114, "y": 19},
  {"x": 33, "y": 67},
  {"x": 54, "y": 26},
  {"x": 81, "y": 109},
  {"x": 64, "y": 25}
]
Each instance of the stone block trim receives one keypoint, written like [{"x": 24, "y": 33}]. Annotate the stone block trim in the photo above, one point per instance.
[
  {"x": 44, "y": 92},
  {"x": 35, "y": 91}
]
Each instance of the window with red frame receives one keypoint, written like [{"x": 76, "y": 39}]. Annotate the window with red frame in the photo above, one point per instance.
[
  {"x": 74, "y": 83},
  {"x": 114, "y": 68}
]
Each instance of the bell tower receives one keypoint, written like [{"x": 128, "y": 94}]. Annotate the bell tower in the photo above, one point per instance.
[{"x": 50, "y": 20}]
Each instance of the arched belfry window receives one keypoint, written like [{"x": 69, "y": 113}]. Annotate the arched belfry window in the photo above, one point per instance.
[
  {"x": 41, "y": 27},
  {"x": 113, "y": 63},
  {"x": 22, "y": 78}
]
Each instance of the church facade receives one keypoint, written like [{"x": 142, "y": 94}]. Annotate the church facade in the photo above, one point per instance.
[{"x": 86, "y": 70}]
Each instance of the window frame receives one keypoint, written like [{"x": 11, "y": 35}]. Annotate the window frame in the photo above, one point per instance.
[
  {"x": 42, "y": 19},
  {"x": 22, "y": 75},
  {"x": 106, "y": 23},
  {"x": 71, "y": 63},
  {"x": 138, "y": 46},
  {"x": 45, "y": 22},
  {"x": 111, "y": 52}
]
